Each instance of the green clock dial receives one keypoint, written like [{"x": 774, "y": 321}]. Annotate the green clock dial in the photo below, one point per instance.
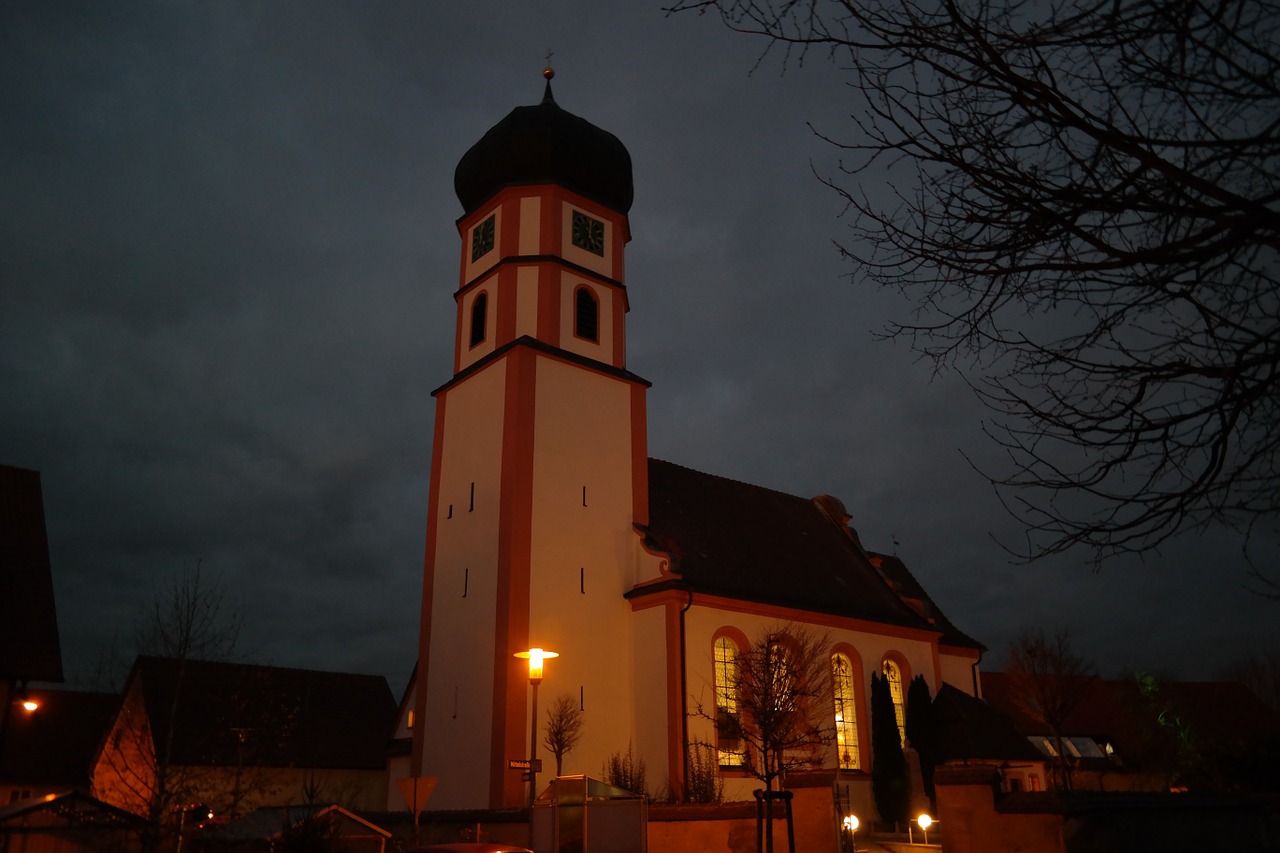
[
  {"x": 588, "y": 233},
  {"x": 482, "y": 239}
]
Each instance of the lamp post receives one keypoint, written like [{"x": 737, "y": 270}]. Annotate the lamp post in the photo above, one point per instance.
[{"x": 535, "y": 656}]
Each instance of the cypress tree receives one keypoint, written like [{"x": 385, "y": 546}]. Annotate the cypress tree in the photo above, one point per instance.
[
  {"x": 922, "y": 733},
  {"x": 889, "y": 784}
]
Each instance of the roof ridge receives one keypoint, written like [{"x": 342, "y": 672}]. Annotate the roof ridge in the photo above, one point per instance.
[{"x": 732, "y": 480}]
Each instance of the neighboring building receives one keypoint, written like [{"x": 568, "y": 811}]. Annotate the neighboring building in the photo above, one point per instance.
[
  {"x": 1144, "y": 734},
  {"x": 234, "y": 737},
  {"x": 549, "y": 526},
  {"x": 29, "y": 646},
  {"x": 970, "y": 733},
  {"x": 51, "y": 750}
]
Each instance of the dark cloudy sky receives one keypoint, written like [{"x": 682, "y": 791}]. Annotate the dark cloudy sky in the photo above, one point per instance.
[{"x": 226, "y": 273}]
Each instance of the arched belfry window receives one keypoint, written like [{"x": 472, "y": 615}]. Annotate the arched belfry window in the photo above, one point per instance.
[
  {"x": 845, "y": 695},
  {"x": 893, "y": 675},
  {"x": 479, "y": 312},
  {"x": 728, "y": 727},
  {"x": 586, "y": 312}
]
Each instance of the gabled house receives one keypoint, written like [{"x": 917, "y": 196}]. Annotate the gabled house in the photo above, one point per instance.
[{"x": 232, "y": 737}]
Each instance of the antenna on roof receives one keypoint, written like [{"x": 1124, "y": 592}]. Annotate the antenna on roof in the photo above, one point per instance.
[{"x": 894, "y": 540}]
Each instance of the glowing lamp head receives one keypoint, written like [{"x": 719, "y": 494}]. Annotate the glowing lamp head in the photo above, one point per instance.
[
  {"x": 925, "y": 821},
  {"x": 30, "y": 705},
  {"x": 850, "y": 822},
  {"x": 536, "y": 657}
]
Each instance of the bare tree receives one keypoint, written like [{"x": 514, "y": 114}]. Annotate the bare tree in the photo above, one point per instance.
[
  {"x": 783, "y": 690},
  {"x": 1081, "y": 199},
  {"x": 188, "y": 619},
  {"x": 564, "y": 728},
  {"x": 1260, "y": 672},
  {"x": 1051, "y": 679}
]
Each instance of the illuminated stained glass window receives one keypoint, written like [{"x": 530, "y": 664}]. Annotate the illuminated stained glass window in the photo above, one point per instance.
[
  {"x": 893, "y": 675},
  {"x": 846, "y": 712},
  {"x": 728, "y": 736}
]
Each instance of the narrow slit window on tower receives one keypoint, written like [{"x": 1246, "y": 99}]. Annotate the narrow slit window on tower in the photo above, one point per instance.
[
  {"x": 586, "y": 315},
  {"x": 472, "y": 507},
  {"x": 479, "y": 313}
]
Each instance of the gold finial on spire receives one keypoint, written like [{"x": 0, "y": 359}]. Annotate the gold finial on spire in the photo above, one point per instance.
[{"x": 549, "y": 72}]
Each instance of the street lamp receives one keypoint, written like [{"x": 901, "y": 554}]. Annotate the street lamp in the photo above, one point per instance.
[
  {"x": 850, "y": 824},
  {"x": 535, "y": 656}
]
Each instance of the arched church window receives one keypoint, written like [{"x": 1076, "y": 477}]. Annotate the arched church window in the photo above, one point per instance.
[
  {"x": 479, "y": 312},
  {"x": 842, "y": 689},
  {"x": 728, "y": 727},
  {"x": 586, "y": 315},
  {"x": 893, "y": 675}
]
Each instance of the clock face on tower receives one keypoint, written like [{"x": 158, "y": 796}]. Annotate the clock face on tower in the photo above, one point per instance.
[
  {"x": 588, "y": 233},
  {"x": 482, "y": 239}
]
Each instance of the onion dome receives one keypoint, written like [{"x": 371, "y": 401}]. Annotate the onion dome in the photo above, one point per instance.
[{"x": 544, "y": 144}]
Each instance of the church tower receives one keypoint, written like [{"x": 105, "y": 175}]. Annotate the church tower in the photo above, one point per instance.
[{"x": 538, "y": 469}]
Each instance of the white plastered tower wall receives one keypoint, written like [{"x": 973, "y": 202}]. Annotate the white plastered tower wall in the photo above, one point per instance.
[{"x": 538, "y": 474}]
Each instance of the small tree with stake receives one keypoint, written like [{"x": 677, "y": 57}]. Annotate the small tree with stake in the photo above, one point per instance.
[{"x": 564, "y": 728}]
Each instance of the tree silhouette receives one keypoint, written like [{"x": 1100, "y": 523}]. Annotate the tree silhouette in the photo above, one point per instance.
[
  {"x": 922, "y": 733},
  {"x": 783, "y": 690},
  {"x": 1081, "y": 200},
  {"x": 1050, "y": 679},
  {"x": 564, "y": 728},
  {"x": 889, "y": 784}
]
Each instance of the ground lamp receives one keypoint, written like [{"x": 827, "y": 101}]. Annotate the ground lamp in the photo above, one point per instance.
[
  {"x": 535, "y": 657},
  {"x": 850, "y": 824},
  {"x": 925, "y": 822}
]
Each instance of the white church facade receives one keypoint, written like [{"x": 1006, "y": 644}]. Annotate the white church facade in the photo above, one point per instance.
[{"x": 550, "y": 527}]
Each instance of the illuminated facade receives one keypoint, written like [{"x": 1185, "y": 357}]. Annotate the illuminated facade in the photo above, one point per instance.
[{"x": 549, "y": 526}]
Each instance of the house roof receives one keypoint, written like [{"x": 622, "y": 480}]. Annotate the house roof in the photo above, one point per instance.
[
  {"x": 69, "y": 810},
  {"x": 269, "y": 716},
  {"x": 29, "y": 647},
  {"x": 750, "y": 543},
  {"x": 969, "y": 728},
  {"x": 272, "y": 821},
  {"x": 55, "y": 745},
  {"x": 1115, "y": 711}
]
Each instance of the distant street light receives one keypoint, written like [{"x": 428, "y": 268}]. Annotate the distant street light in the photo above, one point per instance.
[{"x": 535, "y": 656}]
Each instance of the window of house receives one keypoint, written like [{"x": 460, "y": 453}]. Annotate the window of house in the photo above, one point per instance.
[
  {"x": 728, "y": 734},
  {"x": 586, "y": 315},
  {"x": 479, "y": 312},
  {"x": 846, "y": 712},
  {"x": 893, "y": 674}
]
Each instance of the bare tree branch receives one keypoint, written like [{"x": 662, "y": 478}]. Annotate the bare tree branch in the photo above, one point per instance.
[{"x": 1081, "y": 199}]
